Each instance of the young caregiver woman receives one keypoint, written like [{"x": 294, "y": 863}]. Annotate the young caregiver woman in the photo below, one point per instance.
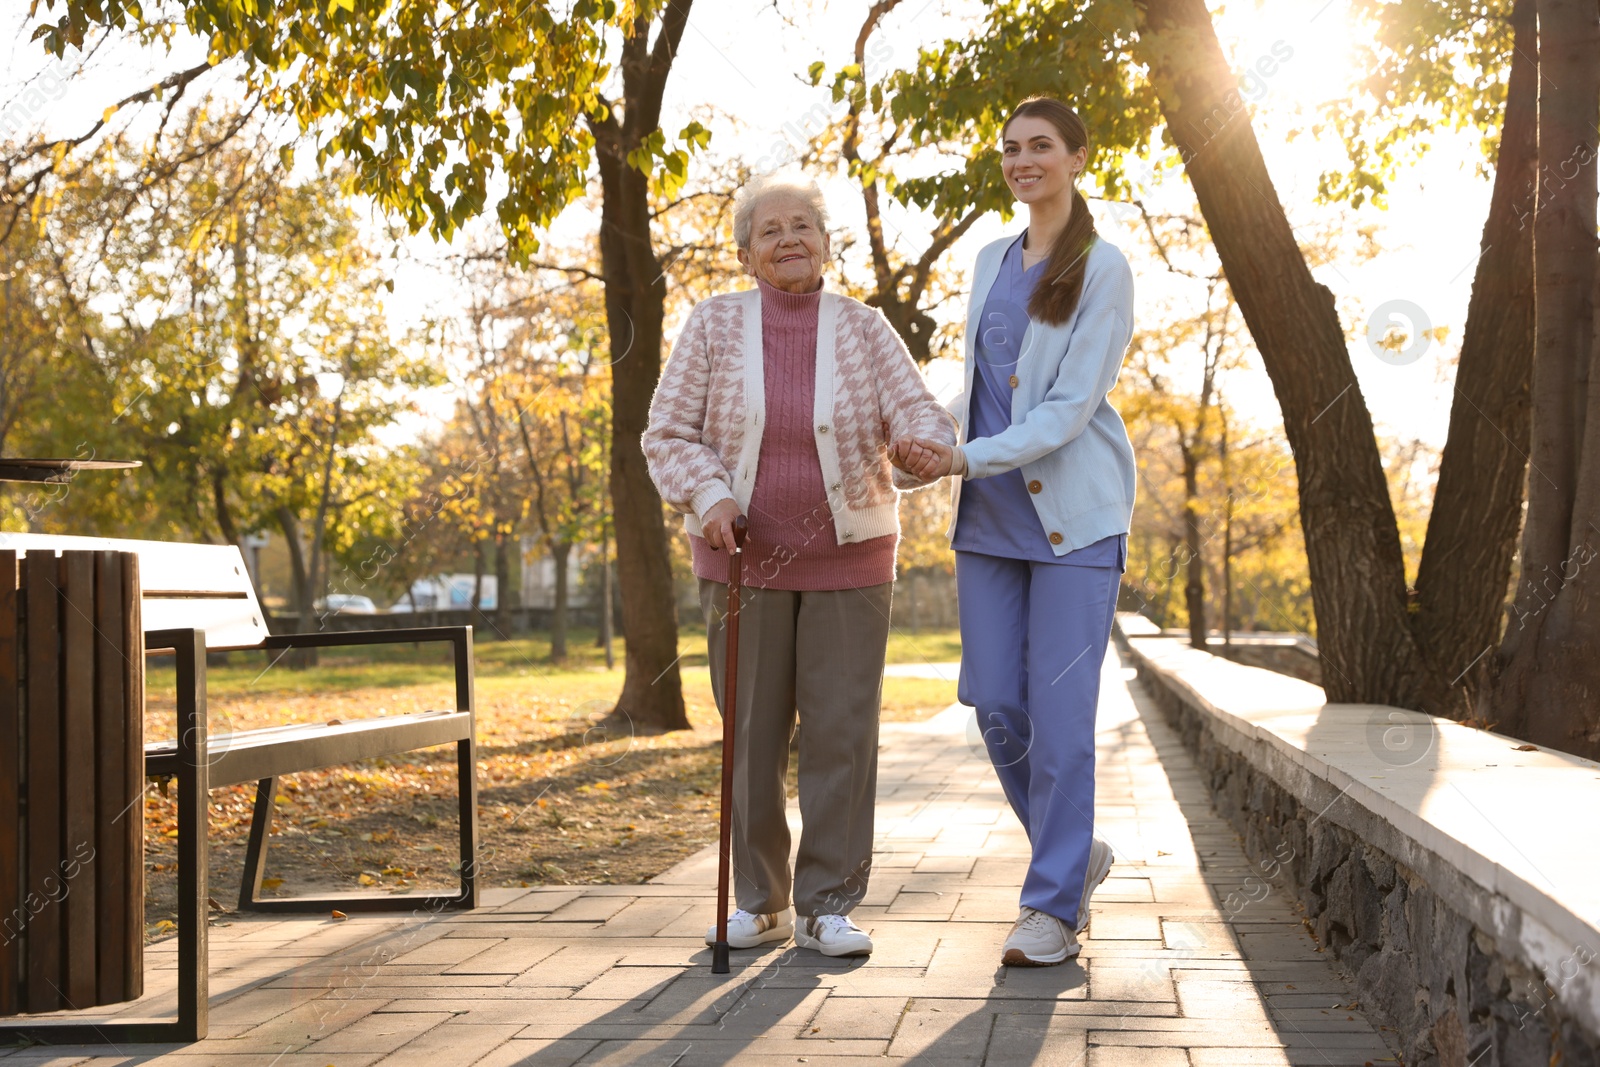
[{"x": 1042, "y": 508}]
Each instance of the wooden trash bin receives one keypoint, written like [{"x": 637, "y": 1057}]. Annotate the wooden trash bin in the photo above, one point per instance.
[{"x": 71, "y": 781}]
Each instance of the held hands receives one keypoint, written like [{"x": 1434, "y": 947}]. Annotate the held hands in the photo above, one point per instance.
[
  {"x": 925, "y": 459},
  {"x": 717, "y": 526}
]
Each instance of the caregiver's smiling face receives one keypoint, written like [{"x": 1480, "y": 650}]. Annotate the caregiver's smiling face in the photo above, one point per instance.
[
  {"x": 787, "y": 247},
  {"x": 1036, "y": 162}
]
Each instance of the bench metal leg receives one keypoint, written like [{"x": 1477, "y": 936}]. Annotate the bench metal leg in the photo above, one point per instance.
[
  {"x": 467, "y": 805},
  {"x": 193, "y": 875},
  {"x": 467, "y": 781},
  {"x": 255, "y": 853},
  {"x": 255, "y": 857},
  {"x": 194, "y": 868}
]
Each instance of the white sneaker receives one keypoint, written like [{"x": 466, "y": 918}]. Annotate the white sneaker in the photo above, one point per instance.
[
  {"x": 747, "y": 929},
  {"x": 833, "y": 935},
  {"x": 1100, "y": 858},
  {"x": 1038, "y": 940}
]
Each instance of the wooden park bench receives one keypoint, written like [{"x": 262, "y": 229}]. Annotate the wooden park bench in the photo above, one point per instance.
[{"x": 192, "y": 599}]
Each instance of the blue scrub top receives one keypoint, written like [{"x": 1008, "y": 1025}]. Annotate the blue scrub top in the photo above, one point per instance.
[{"x": 996, "y": 518}]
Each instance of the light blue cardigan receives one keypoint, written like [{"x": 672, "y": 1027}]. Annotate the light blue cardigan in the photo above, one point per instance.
[{"x": 1064, "y": 433}]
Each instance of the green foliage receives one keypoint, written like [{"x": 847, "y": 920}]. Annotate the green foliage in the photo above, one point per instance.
[
  {"x": 961, "y": 90},
  {"x": 1433, "y": 64},
  {"x": 237, "y": 346},
  {"x": 429, "y": 105}
]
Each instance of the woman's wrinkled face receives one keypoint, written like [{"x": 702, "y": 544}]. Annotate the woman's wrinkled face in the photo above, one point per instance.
[
  {"x": 1036, "y": 161},
  {"x": 787, "y": 247}
]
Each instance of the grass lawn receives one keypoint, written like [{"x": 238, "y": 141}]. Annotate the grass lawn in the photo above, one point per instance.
[{"x": 562, "y": 799}]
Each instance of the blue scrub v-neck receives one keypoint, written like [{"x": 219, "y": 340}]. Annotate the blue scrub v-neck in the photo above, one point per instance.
[{"x": 996, "y": 516}]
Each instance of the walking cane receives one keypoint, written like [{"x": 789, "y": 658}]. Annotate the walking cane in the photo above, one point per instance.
[{"x": 730, "y": 711}]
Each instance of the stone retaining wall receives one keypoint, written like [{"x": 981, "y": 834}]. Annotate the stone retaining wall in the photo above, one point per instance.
[{"x": 1456, "y": 995}]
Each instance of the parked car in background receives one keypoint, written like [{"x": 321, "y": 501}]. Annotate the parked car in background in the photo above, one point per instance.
[
  {"x": 347, "y": 604},
  {"x": 445, "y": 592}
]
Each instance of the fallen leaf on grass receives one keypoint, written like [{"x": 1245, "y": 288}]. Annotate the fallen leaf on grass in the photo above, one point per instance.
[{"x": 271, "y": 883}]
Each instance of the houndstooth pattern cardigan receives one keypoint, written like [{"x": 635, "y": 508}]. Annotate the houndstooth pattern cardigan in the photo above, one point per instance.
[{"x": 703, "y": 443}]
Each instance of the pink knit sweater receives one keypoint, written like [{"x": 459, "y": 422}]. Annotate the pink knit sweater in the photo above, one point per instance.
[{"x": 791, "y": 543}]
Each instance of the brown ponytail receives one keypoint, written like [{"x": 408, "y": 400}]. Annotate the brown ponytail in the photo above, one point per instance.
[{"x": 1057, "y": 294}]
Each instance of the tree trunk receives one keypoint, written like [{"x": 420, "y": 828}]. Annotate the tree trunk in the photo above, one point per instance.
[
  {"x": 304, "y": 589},
  {"x": 502, "y": 582},
  {"x": 1352, "y": 542},
  {"x": 1477, "y": 505},
  {"x": 1227, "y": 524},
  {"x": 635, "y": 297},
  {"x": 1551, "y": 677},
  {"x": 605, "y": 602},
  {"x": 558, "y": 612},
  {"x": 478, "y": 567},
  {"x": 1194, "y": 590}
]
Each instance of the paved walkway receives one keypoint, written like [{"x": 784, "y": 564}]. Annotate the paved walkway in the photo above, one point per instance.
[{"x": 1191, "y": 958}]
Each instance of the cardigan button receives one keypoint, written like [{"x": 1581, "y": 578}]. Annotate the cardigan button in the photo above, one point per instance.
[
  {"x": 1035, "y": 487},
  {"x": 1055, "y": 539},
  {"x": 1014, "y": 381},
  {"x": 822, "y": 429}
]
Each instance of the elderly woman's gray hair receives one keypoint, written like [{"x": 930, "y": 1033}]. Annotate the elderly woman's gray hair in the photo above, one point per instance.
[{"x": 752, "y": 192}]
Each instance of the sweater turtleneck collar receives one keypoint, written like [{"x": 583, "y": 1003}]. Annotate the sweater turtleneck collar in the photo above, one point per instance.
[{"x": 787, "y": 306}]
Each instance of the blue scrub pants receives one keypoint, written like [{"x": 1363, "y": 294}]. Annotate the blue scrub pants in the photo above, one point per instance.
[{"x": 1033, "y": 638}]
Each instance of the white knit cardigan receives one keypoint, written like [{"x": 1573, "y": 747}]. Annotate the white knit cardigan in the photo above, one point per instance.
[{"x": 703, "y": 443}]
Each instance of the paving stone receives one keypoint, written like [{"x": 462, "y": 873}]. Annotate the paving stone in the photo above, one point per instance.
[
  {"x": 513, "y": 955},
  {"x": 589, "y": 908},
  {"x": 1200, "y": 998},
  {"x": 1131, "y": 983},
  {"x": 646, "y": 917},
  {"x": 560, "y": 1052},
  {"x": 309, "y": 1022},
  {"x": 953, "y": 1036},
  {"x": 1112, "y": 1056},
  {"x": 1110, "y": 924},
  {"x": 452, "y": 1042},
  {"x": 378, "y": 1033},
  {"x": 1038, "y": 1040},
  {"x": 847, "y": 1016},
  {"x": 946, "y": 865},
  {"x": 574, "y": 966},
  {"x": 628, "y": 983}
]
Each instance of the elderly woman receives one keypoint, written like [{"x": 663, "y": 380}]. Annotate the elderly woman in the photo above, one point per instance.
[{"x": 779, "y": 403}]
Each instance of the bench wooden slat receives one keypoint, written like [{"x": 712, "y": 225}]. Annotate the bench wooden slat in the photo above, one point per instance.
[
  {"x": 12, "y": 915},
  {"x": 77, "y": 755},
  {"x": 275, "y": 751},
  {"x": 112, "y": 798},
  {"x": 42, "y": 821},
  {"x": 132, "y": 642}
]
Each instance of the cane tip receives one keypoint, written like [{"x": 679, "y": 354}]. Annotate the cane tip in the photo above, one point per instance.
[{"x": 719, "y": 957}]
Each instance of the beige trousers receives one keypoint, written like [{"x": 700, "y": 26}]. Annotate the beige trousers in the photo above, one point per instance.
[{"x": 819, "y": 655}]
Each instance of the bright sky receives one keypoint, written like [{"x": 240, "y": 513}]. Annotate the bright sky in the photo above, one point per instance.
[{"x": 746, "y": 60}]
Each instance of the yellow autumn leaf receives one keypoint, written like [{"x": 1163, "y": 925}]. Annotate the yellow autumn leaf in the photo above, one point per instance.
[{"x": 271, "y": 883}]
